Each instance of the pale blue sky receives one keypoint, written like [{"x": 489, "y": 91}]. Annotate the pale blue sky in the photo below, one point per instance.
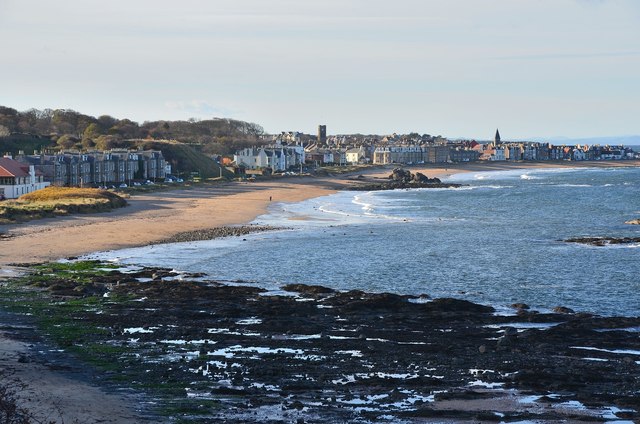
[{"x": 455, "y": 67}]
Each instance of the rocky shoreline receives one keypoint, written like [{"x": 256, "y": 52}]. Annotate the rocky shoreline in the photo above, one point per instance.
[
  {"x": 394, "y": 185},
  {"x": 218, "y": 232},
  {"x": 603, "y": 241},
  {"x": 403, "y": 179},
  {"x": 235, "y": 353}
]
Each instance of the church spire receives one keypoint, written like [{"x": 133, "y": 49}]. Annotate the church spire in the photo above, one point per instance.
[{"x": 496, "y": 139}]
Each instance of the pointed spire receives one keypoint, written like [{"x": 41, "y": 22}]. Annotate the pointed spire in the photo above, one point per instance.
[{"x": 496, "y": 139}]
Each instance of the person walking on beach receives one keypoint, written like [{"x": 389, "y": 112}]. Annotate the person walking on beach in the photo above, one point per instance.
[{"x": 269, "y": 198}]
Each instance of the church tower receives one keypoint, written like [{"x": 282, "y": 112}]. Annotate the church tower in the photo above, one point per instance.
[{"x": 496, "y": 139}]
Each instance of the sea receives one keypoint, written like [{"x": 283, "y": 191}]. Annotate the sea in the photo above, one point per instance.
[{"x": 496, "y": 240}]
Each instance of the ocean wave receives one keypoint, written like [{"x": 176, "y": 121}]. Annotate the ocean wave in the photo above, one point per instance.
[
  {"x": 533, "y": 173},
  {"x": 528, "y": 177},
  {"x": 465, "y": 188},
  {"x": 368, "y": 211}
]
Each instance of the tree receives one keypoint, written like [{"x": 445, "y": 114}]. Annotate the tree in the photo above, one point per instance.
[
  {"x": 67, "y": 141},
  {"x": 92, "y": 131},
  {"x": 108, "y": 142},
  {"x": 4, "y": 131},
  {"x": 106, "y": 122},
  {"x": 88, "y": 143}
]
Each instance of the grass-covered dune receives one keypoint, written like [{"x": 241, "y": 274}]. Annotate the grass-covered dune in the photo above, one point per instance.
[{"x": 54, "y": 201}]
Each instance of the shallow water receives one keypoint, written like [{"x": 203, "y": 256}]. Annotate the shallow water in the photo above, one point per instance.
[{"x": 494, "y": 241}]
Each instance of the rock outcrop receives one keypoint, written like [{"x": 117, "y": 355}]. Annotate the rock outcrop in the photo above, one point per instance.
[
  {"x": 322, "y": 355},
  {"x": 603, "y": 241},
  {"x": 401, "y": 178}
]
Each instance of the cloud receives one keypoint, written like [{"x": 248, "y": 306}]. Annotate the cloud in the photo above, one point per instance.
[{"x": 198, "y": 108}]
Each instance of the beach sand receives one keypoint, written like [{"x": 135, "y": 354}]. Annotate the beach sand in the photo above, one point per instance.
[
  {"x": 149, "y": 218},
  {"x": 157, "y": 216}
]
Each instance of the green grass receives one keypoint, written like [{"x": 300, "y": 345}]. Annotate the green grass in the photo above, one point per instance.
[
  {"x": 55, "y": 201},
  {"x": 185, "y": 159},
  {"x": 92, "y": 267}
]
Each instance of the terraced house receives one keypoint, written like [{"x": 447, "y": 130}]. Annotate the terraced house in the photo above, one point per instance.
[{"x": 99, "y": 168}]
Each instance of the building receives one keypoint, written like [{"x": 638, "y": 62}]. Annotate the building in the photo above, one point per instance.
[
  {"x": 99, "y": 168},
  {"x": 356, "y": 155},
  {"x": 462, "y": 154},
  {"x": 436, "y": 154},
  {"x": 17, "y": 178},
  {"x": 322, "y": 134},
  {"x": 277, "y": 157},
  {"x": 411, "y": 154},
  {"x": 398, "y": 154}
]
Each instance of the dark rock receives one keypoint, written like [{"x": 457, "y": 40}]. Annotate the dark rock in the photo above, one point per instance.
[
  {"x": 603, "y": 241},
  {"x": 510, "y": 331},
  {"x": 218, "y": 232},
  {"x": 456, "y": 305},
  {"x": 520, "y": 306},
  {"x": 505, "y": 342},
  {"x": 401, "y": 179},
  {"x": 307, "y": 289},
  {"x": 400, "y": 175},
  {"x": 336, "y": 346},
  {"x": 563, "y": 310}
]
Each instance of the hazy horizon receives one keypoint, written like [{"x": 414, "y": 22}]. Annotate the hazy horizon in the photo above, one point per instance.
[{"x": 533, "y": 68}]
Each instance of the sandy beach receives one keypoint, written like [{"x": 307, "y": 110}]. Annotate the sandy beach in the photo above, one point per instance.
[
  {"x": 152, "y": 217},
  {"x": 147, "y": 219}
]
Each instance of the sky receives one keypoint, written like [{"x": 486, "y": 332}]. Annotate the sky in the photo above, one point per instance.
[{"x": 457, "y": 68}]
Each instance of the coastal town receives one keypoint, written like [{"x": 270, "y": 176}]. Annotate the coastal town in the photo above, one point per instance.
[
  {"x": 287, "y": 152},
  {"x": 207, "y": 350},
  {"x": 310, "y": 212}
]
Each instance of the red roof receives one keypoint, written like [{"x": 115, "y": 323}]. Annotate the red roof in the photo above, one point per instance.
[{"x": 13, "y": 168}]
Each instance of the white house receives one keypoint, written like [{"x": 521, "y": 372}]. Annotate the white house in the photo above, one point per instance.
[
  {"x": 356, "y": 155},
  {"x": 17, "y": 178},
  {"x": 251, "y": 158},
  {"x": 277, "y": 158}
]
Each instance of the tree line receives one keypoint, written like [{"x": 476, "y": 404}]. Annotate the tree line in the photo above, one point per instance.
[{"x": 69, "y": 129}]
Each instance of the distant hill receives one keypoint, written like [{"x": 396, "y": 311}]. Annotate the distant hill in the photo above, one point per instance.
[
  {"x": 192, "y": 142},
  {"x": 28, "y": 143},
  {"x": 67, "y": 129}
]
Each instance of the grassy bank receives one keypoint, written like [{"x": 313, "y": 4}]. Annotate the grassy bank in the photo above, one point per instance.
[{"x": 56, "y": 201}]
